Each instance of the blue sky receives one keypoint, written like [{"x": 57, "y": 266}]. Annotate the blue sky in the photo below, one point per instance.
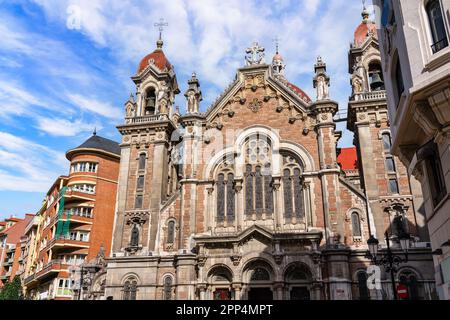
[{"x": 65, "y": 68}]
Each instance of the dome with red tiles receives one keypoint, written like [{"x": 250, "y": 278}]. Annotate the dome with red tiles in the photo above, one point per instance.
[
  {"x": 364, "y": 29},
  {"x": 157, "y": 58},
  {"x": 299, "y": 92}
]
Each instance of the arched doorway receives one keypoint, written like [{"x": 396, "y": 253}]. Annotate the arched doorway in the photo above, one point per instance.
[
  {"x": 259, "y": 277},
  {"x": 220, "y": 279},
  {"x": 298, "y": 278}
]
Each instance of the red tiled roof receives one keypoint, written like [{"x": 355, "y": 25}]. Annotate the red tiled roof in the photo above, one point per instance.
[
  {"x": 348, "y": 159},
  {"x": 16, "y": 231},
  {"x": 299, "y": 91},
  {"x": 363, "y": 30},
  {"x": 159, "y": 59}
]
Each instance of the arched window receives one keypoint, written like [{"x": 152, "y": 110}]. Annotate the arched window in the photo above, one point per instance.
[
  {"x": 150, "y": 101},
  {"x": 171, "y": 232},
  {"x": 225, "y": 197},
  {"x": 356, "y": 225},
  {"x": 437, "y": 28},
  {"x": 362, "y": 286},
  {"x": 130, "y": 289},
  {"x": 258, "y": 177},
  {"x": 292, "y": 188},
  {"x": 168, "y": 288},
  {"x": 260, "y": 274},
  {"x": 142, "y": 160},
  {"x": 376, "y": 76},
  {"x": 386, "y": 141}
]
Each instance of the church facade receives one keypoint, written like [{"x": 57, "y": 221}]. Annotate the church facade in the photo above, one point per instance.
[{"x": 248, "y": 200}]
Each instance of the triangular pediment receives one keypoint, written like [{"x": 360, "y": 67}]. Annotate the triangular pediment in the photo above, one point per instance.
[{"x": 253, "y": 88}]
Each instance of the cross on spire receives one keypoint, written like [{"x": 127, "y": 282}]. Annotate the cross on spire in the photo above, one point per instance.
[
  {"x": 161, "y": 24},
  {"x": 277, "y": 42}
]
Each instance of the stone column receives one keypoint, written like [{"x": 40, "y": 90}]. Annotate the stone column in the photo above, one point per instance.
[
  {"x": 202, "y": 288},
  {"x": 278, "y": 288},
  {"x": 237, "y": 290},
  {"x": 277, "y": 203}
]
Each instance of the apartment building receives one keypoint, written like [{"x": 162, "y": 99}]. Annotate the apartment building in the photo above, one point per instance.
[
  {"x": 75, "y": 222},
  {"x": 414, "y": 45}
]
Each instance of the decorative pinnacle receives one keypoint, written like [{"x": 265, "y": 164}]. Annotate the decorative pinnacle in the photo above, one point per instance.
[{"x": 95, "y": 131}]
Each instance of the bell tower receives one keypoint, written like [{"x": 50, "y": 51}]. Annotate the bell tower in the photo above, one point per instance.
[
  {"x": 384, "y": 179},
  {"x": 145, "y": 168}
]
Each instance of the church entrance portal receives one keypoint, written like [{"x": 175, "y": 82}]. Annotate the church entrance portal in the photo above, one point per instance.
[{"x": 260, "y": 294}]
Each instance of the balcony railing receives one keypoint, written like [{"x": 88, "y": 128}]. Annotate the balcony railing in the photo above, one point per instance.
[
  {"x": 438, "y": 46},
  {"x": 29, "y": 279},
  {"x": 145, "y": 119},
  {"x": 373, "y": 95}
]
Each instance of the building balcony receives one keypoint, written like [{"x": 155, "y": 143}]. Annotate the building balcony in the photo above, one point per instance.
[
  {"x": 146, "y": 119},
  {"x": 77, "y": 194},
  {"x": 54, "y": 266},
  {"x": 9, "y": 262},
  {"x": 29, "y": 279},
  {"x": 66, "y": 241},
  {"x": 369, "y": 96}
]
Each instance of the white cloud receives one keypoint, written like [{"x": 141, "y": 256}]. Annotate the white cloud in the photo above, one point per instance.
[
  {"x": 63, "y": 127},
  {"x": 28, "y": 166},
  {"x": 102, "y": 108}
]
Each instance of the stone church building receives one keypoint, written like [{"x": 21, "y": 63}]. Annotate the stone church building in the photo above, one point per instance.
[{"x": 252, "y": 199}]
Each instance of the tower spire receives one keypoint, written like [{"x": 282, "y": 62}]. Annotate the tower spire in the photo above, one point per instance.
[
  {"x": 365, "y": 12},
  {"x": 161, "y": 24}
]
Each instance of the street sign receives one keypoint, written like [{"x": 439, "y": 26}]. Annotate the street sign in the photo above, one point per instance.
[{"x": 402, "y": 291}]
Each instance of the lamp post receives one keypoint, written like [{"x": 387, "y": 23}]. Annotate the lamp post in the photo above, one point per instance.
[{"x": 389, "y": 260}]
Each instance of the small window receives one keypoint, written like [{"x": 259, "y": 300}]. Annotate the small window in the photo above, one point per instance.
[
  {"x": 438, "y": 34},
  {"x": 356, "y": 225},
  {"x": 138, "y": 202},
  {"x": 399, "y": 84},
  {"x": 142, "y": 158},
  {"x": 168, "y": 288},
  {"x": 387, "y": 141},
  {"x": 171, "y": 231},
  {"x": 140, "y": 183},
  {"x": 390, "y": 164},
  {"x": 393, "y": 186}
]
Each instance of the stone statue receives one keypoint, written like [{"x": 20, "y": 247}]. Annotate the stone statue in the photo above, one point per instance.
[
  {"x": 192, "y": 106},
  {"x": 135, "y": 236},
  {"x": 129, "y": 110},
  {"x": 322, "y": 88},
  {"x": 357, "y": 86}
]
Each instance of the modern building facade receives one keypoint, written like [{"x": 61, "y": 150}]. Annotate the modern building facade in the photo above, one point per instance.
[
  {"x": 414, "y": 41},
  {"x": 75, "y": 222},
  {"x": 251, "y": 199}
]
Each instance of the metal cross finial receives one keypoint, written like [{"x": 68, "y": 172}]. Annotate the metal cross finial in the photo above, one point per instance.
[
  {"x": 277, "y": 42},
  {"x": 161, "y": 24}
]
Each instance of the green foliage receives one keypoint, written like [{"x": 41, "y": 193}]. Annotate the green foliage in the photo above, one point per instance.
[{"x": 12, "y": 290}]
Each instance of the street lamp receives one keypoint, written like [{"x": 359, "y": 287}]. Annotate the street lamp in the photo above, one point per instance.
[{"x": 388, "y": 260}]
